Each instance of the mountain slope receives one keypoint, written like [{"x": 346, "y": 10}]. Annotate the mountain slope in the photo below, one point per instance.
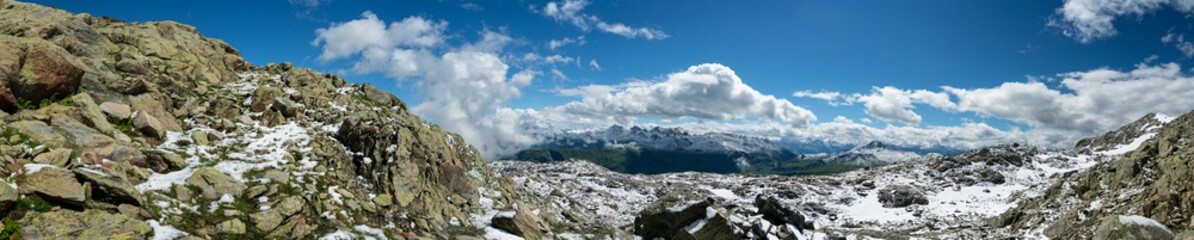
[
  {"x": 139, "y": 130},
  {"x": 1150, "y": 182}
]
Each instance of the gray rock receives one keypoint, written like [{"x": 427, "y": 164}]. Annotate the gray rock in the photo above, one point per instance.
[
  {"x": 895, "y": 196},
  {"x": 116, "y": 110},
  {"x": 270, "y": 219},
  {"x": 288, "y": 108},
  {"x": 109, "y": 186},
  {"x": 91, "y": 113},
  {"x": 149, "y": 125},
  {"x": 8, "y": 197}
]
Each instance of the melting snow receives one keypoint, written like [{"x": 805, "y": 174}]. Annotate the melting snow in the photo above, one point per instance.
[{"x": 164, "y": 232}]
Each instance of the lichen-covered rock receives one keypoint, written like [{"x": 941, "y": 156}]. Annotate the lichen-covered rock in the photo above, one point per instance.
[
  {"x": 667, "y": 216},
  {"x": 109, "y": 185},
  {"x": 1131, "y": 228},
  {"x": 116, "y": 110},
  {"x": 57, "y": 157},
  {"x": 213, "y": 184},
  {"x": 54, "y": 184},
  {"x": 149, "y": 125},
  {"x": 8, "y": 197},
  {"x": 89, "y": 224}
]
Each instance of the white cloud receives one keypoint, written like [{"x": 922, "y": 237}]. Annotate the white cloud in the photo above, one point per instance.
[
  {"x": 557, "y": 43},
  {"x": 632, "y": 32},
  {"x": 341, "y": 40},
  {"x": 472, "y": 7},
  {"x": 309, "y": 3},
  {"x": 1087, "y": 102},
  {"x": 466, "y": 88},
  {"x": 1089, "y": 20},
  {"x": 1179, "y": 41},
  {"x": 828, "y": 96},
  {"x": 593, "y": 64},
  {"x": 570, "y": 11},
  {"x": 706, "y": 91}
]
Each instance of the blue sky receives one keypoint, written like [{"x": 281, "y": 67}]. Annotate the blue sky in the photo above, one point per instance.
[{"x": 775, "y": 47}]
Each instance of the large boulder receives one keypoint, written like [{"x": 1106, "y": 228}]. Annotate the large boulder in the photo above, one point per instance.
[
  {"x": 149, "y": 125},
  {"x": 895, "y": 196},
  {"x": 668, "y": 216},
  {"x": 775, "y": 213},
  {"x": 89, "y": 224},
  {"x": 54, "y": 184},
  {"x": 46, "y": 71},
  {"x": 1130, "y": 228}
]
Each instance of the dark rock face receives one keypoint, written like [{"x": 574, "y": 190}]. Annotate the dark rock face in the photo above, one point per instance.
[
  {"x": 667, "y": 217},
  {"x": 896, "y": 196}
]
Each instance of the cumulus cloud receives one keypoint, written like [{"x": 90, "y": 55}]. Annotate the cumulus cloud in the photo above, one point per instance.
[
  {"x": 1089, "y": 20},
  {"x": 341, "y": 40},
  {"x": 570, "y": 11},
  {"x": 706, "y": 91},
  {"x": 828, "y": 96},
  {"x": 888, "y": 103},
  {"x": 1087, "y": 102},
  {"x": 466, "y": 87}
]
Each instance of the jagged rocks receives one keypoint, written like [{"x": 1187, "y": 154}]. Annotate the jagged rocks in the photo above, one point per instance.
[
  {"x": 163, "y": 161},
  {"x": 54, "y": 184},
  {"x": 896, "y": 196},
  {"x": 1131, "y": 228},
  {"x": 89, "y": 224},
  {"x": 777, "y": 214},
  {"x": 91, "y": 113},
  {"x": 234, "y": 226},
  {"x": 214, "y": 184}
]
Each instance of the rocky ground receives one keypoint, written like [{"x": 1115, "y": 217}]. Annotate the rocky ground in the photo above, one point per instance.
[{"x": 956, "y": 197}]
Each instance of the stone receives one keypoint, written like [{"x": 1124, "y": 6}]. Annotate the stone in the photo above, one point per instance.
[
  {"x": 116, "y": 110},
  {"x": 200, "y": 138},
  {"x": 666, "y": 217},
  {"x": 383, "y": 200},
  {"x": 213, "y": 184},
  {"x": 89, "y": 224},
  {"x": 149, "y": 125},
  {"x": 896, "y": 196},
  {"x": 54, "y": 184},
  {"x": 287, "y": 107},
  {"x": 92, "y": 114},
  {"x": 163, "y": 161},
  {"x": 133, "y": 212},
  {"x": 40, "y": 132},
  {"x": 109, "y": 185},
  {"x": 1130, "y": 228},
  {"x": 8, "y": 197},
  {"x": 270, "y": 219},
  {"x": 234, "y": 226},
  {"x": 521, "y": 222},
  {"x": 775, "y": 213},
  {"x": 48, "y": 72},
  {"x": 58, "y": 157}
]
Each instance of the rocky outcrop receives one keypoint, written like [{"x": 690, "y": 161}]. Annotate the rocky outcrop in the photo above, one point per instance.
[
  {"x": 897, "y": 196},
  {"x": 1152, "y": 181},
  {"x": 188, "y": 135}
]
